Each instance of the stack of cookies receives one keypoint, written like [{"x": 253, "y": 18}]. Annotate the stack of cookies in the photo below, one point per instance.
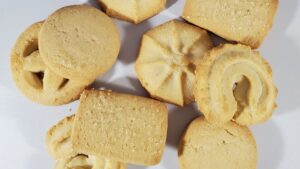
[
  {"x": 55, "y": 60},
  {"x": 110, "y": 130}
]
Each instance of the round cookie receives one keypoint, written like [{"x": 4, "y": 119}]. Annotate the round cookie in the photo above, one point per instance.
[
  {"x": 235, "y": 82},
  {"x": 79, "y": 42},
  {"x": 210, "y": 146},
  {"x": 35, "y": 80},
  {"x": 134, "y": 11},
  {"x": 167, "y": 60}
]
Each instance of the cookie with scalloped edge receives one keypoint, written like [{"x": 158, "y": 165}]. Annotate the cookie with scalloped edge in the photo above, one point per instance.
[{"x": 167, "y": 60}]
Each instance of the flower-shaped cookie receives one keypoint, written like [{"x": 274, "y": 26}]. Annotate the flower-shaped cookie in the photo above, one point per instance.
[
  {"x": 134, "y": 11},
  {"x": 235, "y": 82},
  {"x": 34, "y": 78},
  {"x": 59, "y": 145},
  {"x": 167, "y": 60}
]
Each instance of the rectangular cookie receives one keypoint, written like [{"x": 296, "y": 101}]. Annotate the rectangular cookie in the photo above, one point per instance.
[
  {"x": 122, "y": 127},
  {"x": 244, "y": 21}
]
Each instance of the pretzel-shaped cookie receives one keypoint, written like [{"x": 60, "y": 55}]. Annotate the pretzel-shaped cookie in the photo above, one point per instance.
[
  {"x": 234, "y": 82},
  {"x": 59, "y": 145},
  {"x": 34, "y": 78}
]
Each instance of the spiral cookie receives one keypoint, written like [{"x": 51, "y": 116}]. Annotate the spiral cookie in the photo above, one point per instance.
[
  {"x": 234, "y": 82},
  {"x": 134, "y": 11},
  {"x": 79, "y": 42},
  {"x": 209, "y": 146},
  {"x": 167, "y": 60},
  {"x": 59, "y": 145},
  {"x": 35, "y": 80}
]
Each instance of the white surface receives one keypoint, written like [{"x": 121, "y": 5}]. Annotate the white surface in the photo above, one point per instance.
[{"x": 23, "y": 123}]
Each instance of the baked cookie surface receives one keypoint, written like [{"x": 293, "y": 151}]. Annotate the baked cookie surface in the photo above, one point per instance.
[
  {"x": 79, "y": 42},
  {"x": 167, "y": 60},
  {"x": 59, "y": 145},
  {"x": 209, "y": 146},
  {"x": 247, "y": 22},
  {"x": 58, "y": 139},
  {"x": 235, "y": 82},
  {"x": 120, "y": 127},
  {"x": 34, "y": 79},
  {"x": 81, "y": 161},
  {"x": 134, "y": 11}
]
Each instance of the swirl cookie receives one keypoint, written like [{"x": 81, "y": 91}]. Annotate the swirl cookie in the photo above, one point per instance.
[
  {"x": 208, "y": 146},
  {"x": 134, "y": 11},
  {"x": 247, "y": 22},
  {"x": 79, "y": 42},
  {"x": 122, "y": 127},
  {"x": 167, "y": 60},
  {"x": 35, "y": 80},
  {"x": 235, "y": 82},
  {"x": 59, "y": 145}
]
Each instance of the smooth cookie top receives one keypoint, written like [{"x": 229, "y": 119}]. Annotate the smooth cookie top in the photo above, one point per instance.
[
  {"x": 210, "y": 146},
  {"x": 79, "y": 42}
]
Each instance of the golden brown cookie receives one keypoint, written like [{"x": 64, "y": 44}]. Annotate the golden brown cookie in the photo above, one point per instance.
[
  {"x": 59, "y": 145},
  {"x": 134, "y": 11},
  {"x": 35, "y": 80},
  {"x": 167, "y": 60},
  {"x": 247, "y": 22},
  {"x": 208, "y": 146},
  {"x": 120, "y": 127},
  {"x": 235, "y": 82},
  {"x": 79, "y": 42}
]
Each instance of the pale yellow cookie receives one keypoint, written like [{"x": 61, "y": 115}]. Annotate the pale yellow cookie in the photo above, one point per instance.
[
  {"x": 134, "y": 11},
  {"x": 235, "y": 82},
  {"x": 35, "y": 80},
  {"x": 79, "y": 42},
  {"x": 59, "y": 145},
  {"x": 58, "y": 139},
  {"x": 247, "y": 22},
  {"x": 210, "y": 146},
  {"x": 167, "y": 60},
  {"x": 88, "y": 162},
  {"x": 120, "y": 127}
]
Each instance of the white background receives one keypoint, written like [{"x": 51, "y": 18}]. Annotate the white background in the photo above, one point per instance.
[{"x": 23, "y": 124}]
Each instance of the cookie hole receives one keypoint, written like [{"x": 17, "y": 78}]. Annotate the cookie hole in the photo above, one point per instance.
[
  {"x": 40, "y": 75},
  {"x": 191, "y": 67},
  {"x": 34, "y": 79},
  {"x": 63, "y": 83},
  {"x": 234, "y": 86},
  {"x": 31, "y": 47},
  {"x": 240, "y": 92}
]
